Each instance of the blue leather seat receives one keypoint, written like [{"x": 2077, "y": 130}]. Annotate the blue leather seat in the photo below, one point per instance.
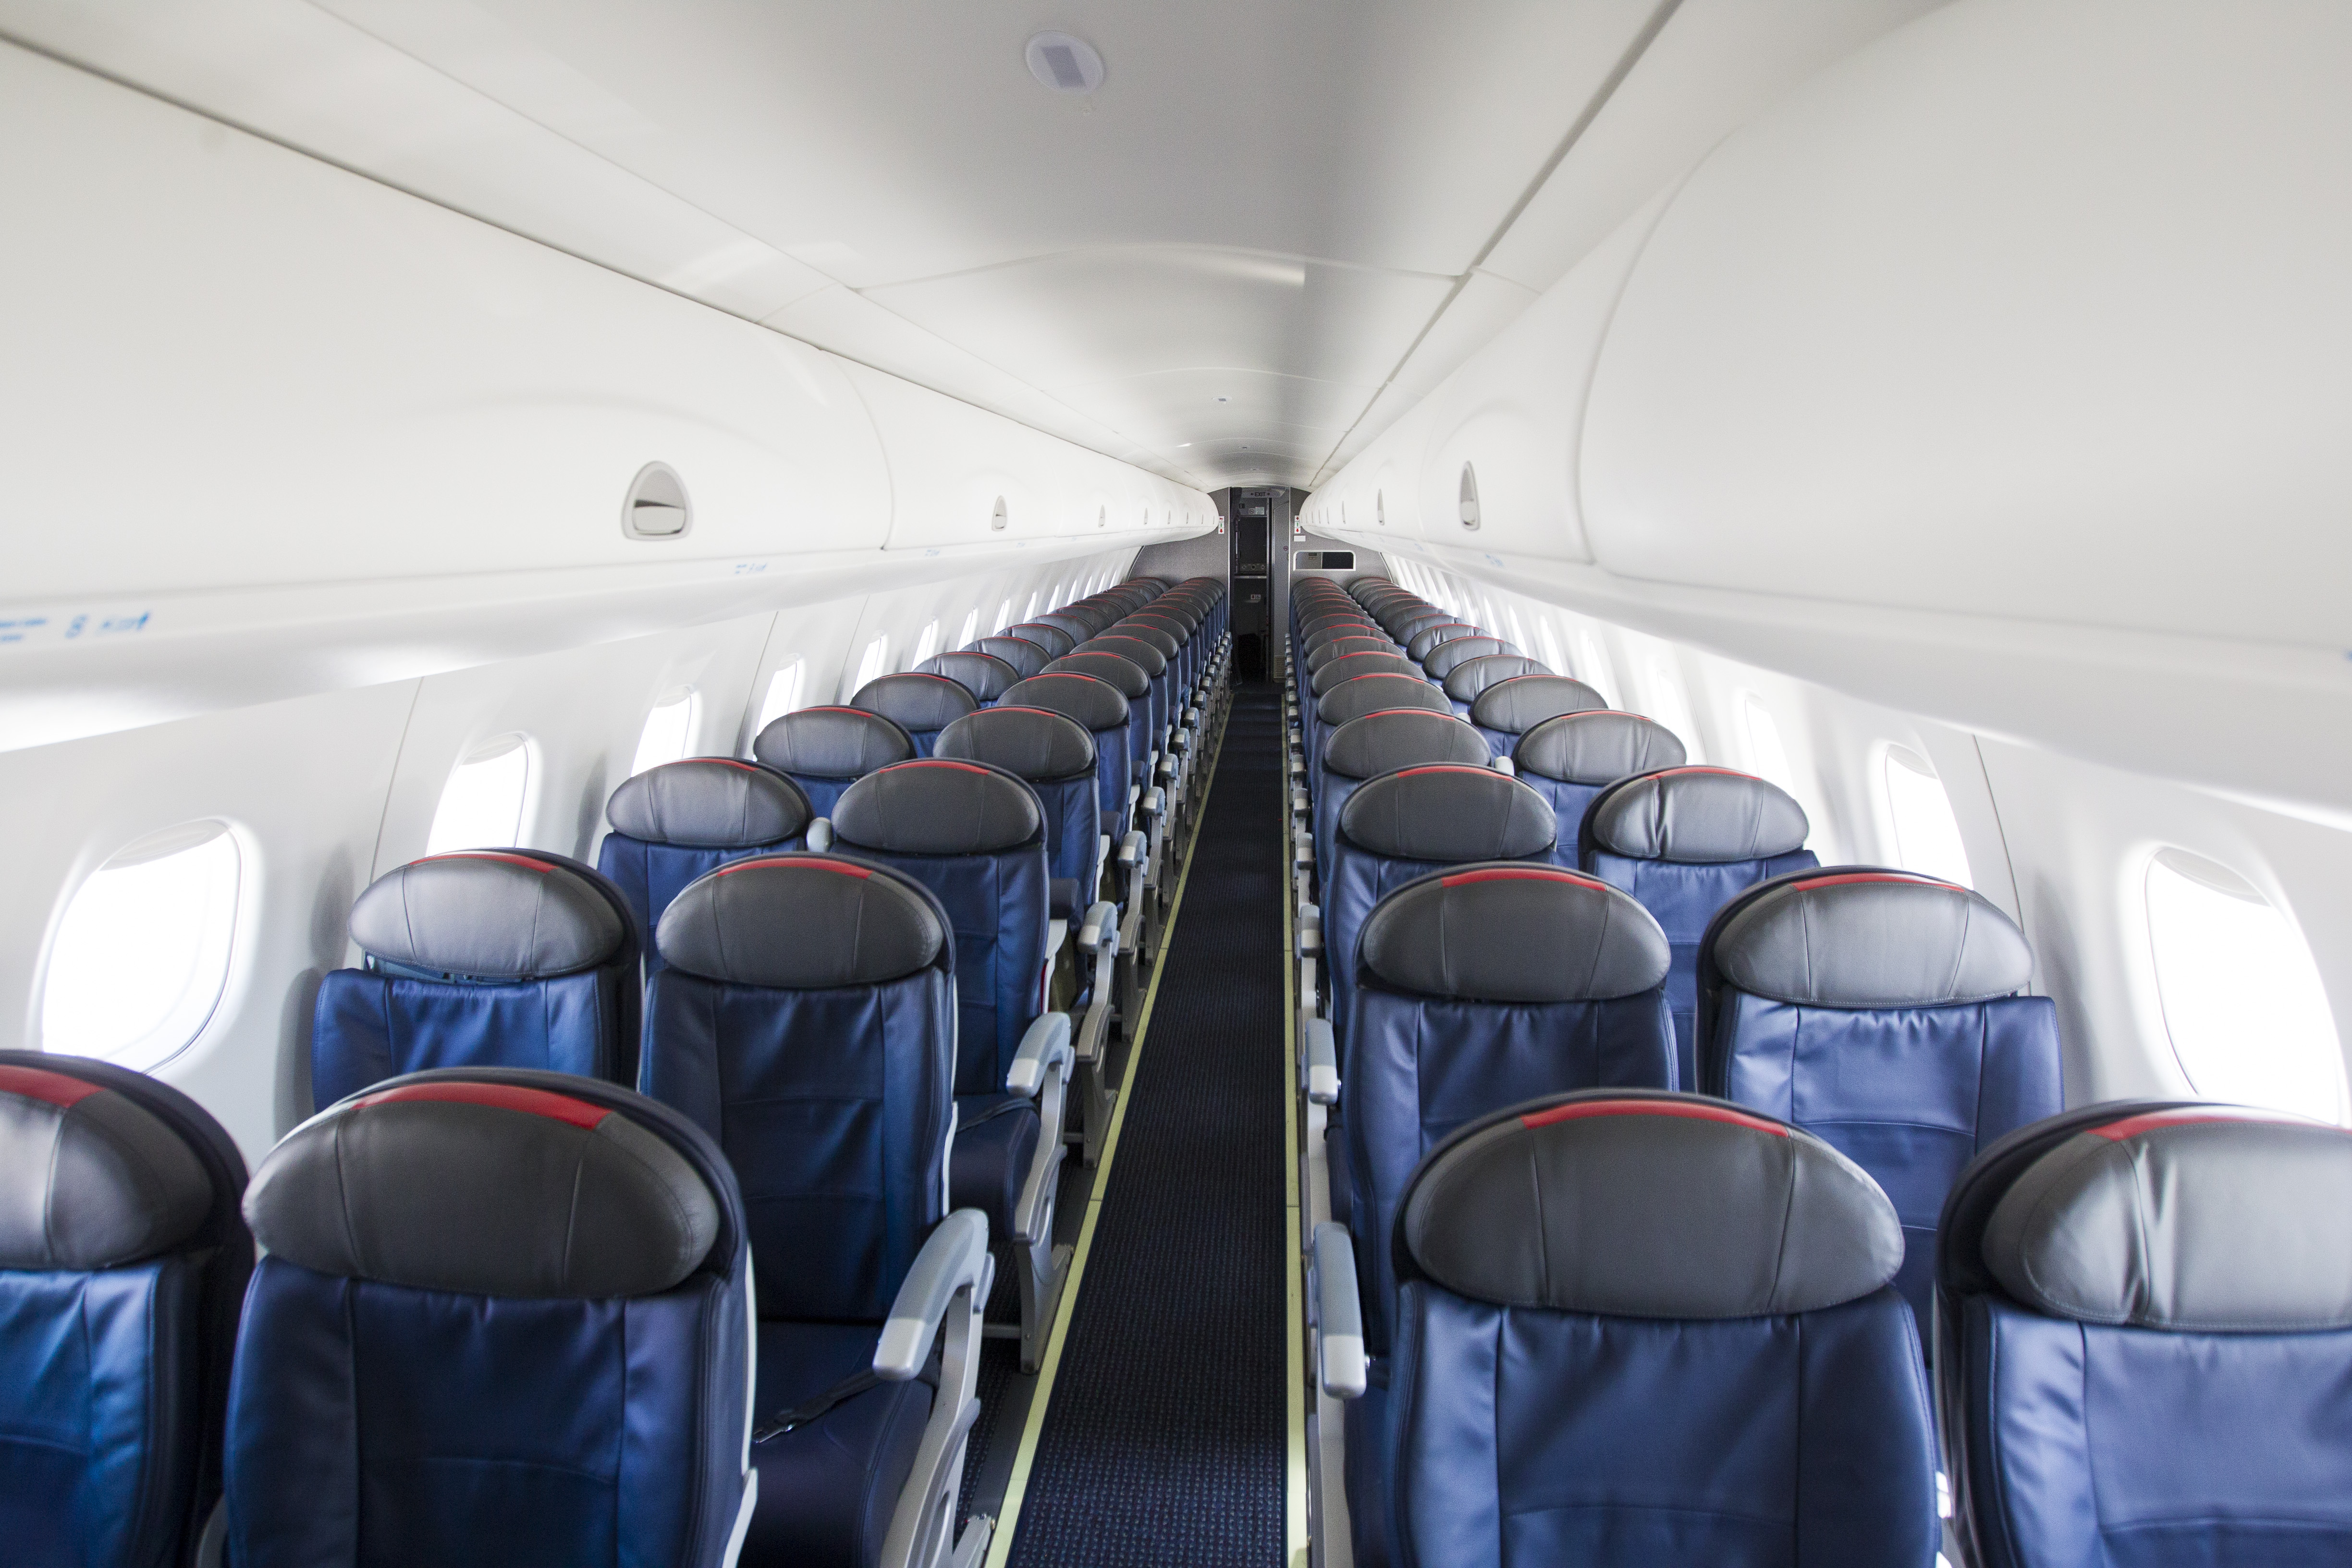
[
  {"x": 1160, "y": 702},
  {"x": 1884, "y": 1011},
  {"x": 976, "y": 838},
  {"x": 1055, "y": 756},
  {"x": 1174, "y": 623},
  {"x": 511, "y": 958},
  {"x": 983, "y": 675},
  {"x": 1026, "y": 657},
  {"x": 2144, "y": 1341},
  {"x": 502, "y": 1319},
  {"x": 806, "y": 1022},
  {"x": 1640, "y": 1329},
  {"x": 1685, "y": 840},
  {"x": 826, "y": 750},
  {"x": 1128, "y": 679},
  {"x": 1098, "y": 707},
  {"x": 1570, "y": 758},
  {"x": 1354, "y": 699},
  {"x": 1470, "y": 678},
  {"x": 1510, "y": 707},
  {"x": 922, "y": 704},
  {"x": 671, "y": 823},
  {"x": 1380, "y": 743},
  {"x": 123, "y": 1259}
]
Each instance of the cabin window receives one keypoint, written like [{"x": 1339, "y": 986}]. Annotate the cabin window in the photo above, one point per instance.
[
  {"x": 1031, "y": 613},
  {"x": 141, "y": 959},
  {"x": 1519, "y": 631},
  {"x": 668, "y": 732},
  {"x": 1767, "y": 754},
  {"x": 1003, "y": 618},
  {"x": 971, "y": 628},
  {"x": 929, "y": 643},
  {"x": 482, "y": 804},
  {"x": 1926, "y": 834},
  {"x": 783, "y": 694},
  {"x": 872, "y": 663},
  {"x": 1550, "y": 640},
  {"x": 1669, "y": 706},
  {"x": 2242, "y": 999}
]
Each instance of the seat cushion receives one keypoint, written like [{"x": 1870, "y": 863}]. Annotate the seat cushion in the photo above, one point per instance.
[
  {"x": 1062, "y": 899},
  {"x": 997, "y": 1137},
  {"x": 827, "y": 1490}
]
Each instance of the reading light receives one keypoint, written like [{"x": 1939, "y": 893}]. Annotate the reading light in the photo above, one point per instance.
[{"x": 1064, "y": 63}]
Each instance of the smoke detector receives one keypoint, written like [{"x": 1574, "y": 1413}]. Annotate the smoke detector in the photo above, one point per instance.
[{"x": 1065, "y": 63}]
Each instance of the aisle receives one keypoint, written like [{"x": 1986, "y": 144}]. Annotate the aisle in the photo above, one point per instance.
[{"x": 1164, "y": 1441}]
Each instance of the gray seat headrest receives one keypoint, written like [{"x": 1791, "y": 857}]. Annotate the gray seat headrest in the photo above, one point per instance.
[
  {"x": 1321, "y": 652},
  {"x": 1594, "y": 746},
  {"x": 486, "y": 1189},
  {"x": 709, "y": 803},
  {"x": 1166, "y": 644},
  {"x": 1109, "y": 668},
  {"x": 2205, "y": 1219},
  {"x": 1423, "y": 633},
  {"x": 915, "y": 701},
  {"x": 1382, "y": 742},
  {"x": 1448, "y": 656},
  {"x": 983, "y": 675},
  {"x": 1053, "y": 639},
  {"x": 935, "y": 805},
  {"x": 1448, "y": 815},
  {"x": 1647, "y": 1206},
  {"x": 1513, "y": 932},
  {"x": 832, "y": 743},
  {"x": 89, "y": 1178},
  {"x": 1697, "y": 817},
  {"x": 487, "y": 914},
  {"x": 1851, "y": 938},
  {"x": 1374, "y": 693},
  {"x": 1175, "y": 628},
  {"x": 1078, "y": 626},
  {"x": 801, "y": 921},
  {"x": 1096, "y": 704},
  {"x": 1361, "y": 664},
  {"x": 1406, "y": 616},
  {"x": 1469, "y": 680},
  {"x": 1145, "y": 657},
  {"x": 1026, "y": 657},
  {"x": 1520, "y": 703},
  {"x": 1027, "y": 742}
]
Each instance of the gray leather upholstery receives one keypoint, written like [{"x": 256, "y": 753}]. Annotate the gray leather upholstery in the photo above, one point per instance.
[
  {"x": 1167, "y": 644},
  {"x": 1053, "y": 639},
  {"x": 1096, "y": 704},
  {"x": 1648, "y": 1205},
  {"x": 2211, "y": 1220},
  {"x": 1348, "y": 669},
  {"x": 1125, "y": 674},
  {"x": 1518, "y": 705},
  {"x": 1078, "y": 626},
  {"x": 711, "y": 803},
  {"x": 938, "y": 806},
  {"x": 1376, "y": 693},
  {"x": 1025, "y": 657},
  {"x": 801, "y": 921},
  {"x": 1427, "y": 633},
  {"x": 1145, "y": 656},
  {"x": 832, "y": 743},
  {"x": 486, "y": 1189},
  {"x": 1321, "y": 651},
  {"x": 1594, "y": 746},
  {"x": 1381, "y": 744},
  {"x": 1027, "y": 742},
  {"x": 1504, "y": 931},
  {"x": 1870, "y": 939},
  {"x": 89, "y": 1179},
  {"x": 486, "y": 914},
  {"x": 1697, "y": 817},
  {"x": 983, "y": 675},
  {"x": 1449, "y": 815},
  {"x": 1448, "y": 656},
  {"x": 1471, "y": 678},
  {"x": 915, "y": 701}
]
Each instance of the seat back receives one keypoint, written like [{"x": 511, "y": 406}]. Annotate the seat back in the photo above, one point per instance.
[
  {"x": 1467, "y": 681},
  {"x": 503, "y": 1317},
  {"x": 1096, "y": 707},
  {"x": 1423, "y": 633},
  {"x": 505, "y": 958},
  {"x": 922, "y": 704},
  {"x": 1511, "y": 707},
  {"x": 1356, "y": 664},
  {"x": 1128, "y": 679},
  {"x": 123, "y": 1259},
  {"x": 1025, "y": 657},
  {"x": 1883, "y": 1010},
  {"x": 1055, "y": 756},
  {"x": 2144, "y": 1340},
  {"x": 826, "y": 750},
  {"x": 672, "y": 822},
  {"x": 1071, "y": 621},
  {"x": 1571, "y": 757},
  {"x": 807, "y": 1022},
  {"x": 1321, "y": 651},
  {"x": 1476, "y": 988},
  {"x": 1053, "y": 639},
  {"x": 1637, "y": 1329},
  {"x": 1379, "y": 744},
  {"x": 1685, "y": 841},
  {"x": 984, "y": 675},
  {"x": 1354, "y": 699},
  {"x": 1451, "y": 655},
  {"x": 1158, "y": 675},
  {"x": 1401, "y": 824},
  {"x": 976, "y": 838}
]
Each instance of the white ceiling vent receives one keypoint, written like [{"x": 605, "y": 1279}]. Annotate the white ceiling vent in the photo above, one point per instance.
[
  {"x": 1064, "y": 63},
  {"x": 998, "y": 518},
  {"x": 656, "y": 506},
  {"x": 1469, "y": 495}
]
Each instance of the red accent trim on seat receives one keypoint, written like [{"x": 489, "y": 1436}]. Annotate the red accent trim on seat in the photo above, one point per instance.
[
  {"x": 1839, "y": 879},
  {"x": 541, "y": 867},
  {"x": 936, "y": 763},
  {"x": 60, "y": 1089},
  {"x": 1520, "y": 874},
  {"x": 1445, "y": 768},
  {"x": 498, "y": 1096},
  {"x": 836, "y": 708},
  {"x": 2133, "y": 1126},
  {"x": 720, "y": 762},
  {"x": 1688, "y": 1111},
  {"x": 814, "y": 863},
  {"x": 1698, "y": 768},
  {"x": 1418, "y": 712}
]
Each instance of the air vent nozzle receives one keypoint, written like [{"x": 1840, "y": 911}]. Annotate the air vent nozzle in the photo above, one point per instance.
[{"x": 656, "y": 506}]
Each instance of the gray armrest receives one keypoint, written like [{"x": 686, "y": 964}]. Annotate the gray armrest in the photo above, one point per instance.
[
  {"x": 820, "y": 833},
  {"x": 1047, "y": 1042},
  {"x": 954, "y": 1259},
  {"x": 1505, "y": 766},
  {"x": 1130, "y": 850},
  {"x": 1302, "y": 846},
  {"x": 1322, "y": 1063},
  {"x": 1339, "y": 1314},
  {"x": 1311, "y": 928},
  {"x": 1101, "y": 925},
  {"x": 1155, "y": 800}
]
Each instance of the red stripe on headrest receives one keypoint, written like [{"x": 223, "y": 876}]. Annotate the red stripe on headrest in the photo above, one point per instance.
[
  {"x": 498, "y": 1096},
  {"x": 835, "y": 707},
  {"x": 717, "y": 762},
  {"x": 541, "y": 867},
  {"x": 1520, "y": 874},
  {"x": 60, "y": 1089},
  {"x": 1445, "y": 768},
  {"x": 1377, "y": 674},
  {"x": 1840, "y": 879},
  {"x": 2133, "y": 1126},
  {"x": 936, "y": 763},
  {"x": 811, "y": 862},
  {"x": 1686, "y": 1112},
  {"x": 1699, "y": 768},
  {"x": 1419, "y": 713},
  {"x": 1070, "y": 675}
]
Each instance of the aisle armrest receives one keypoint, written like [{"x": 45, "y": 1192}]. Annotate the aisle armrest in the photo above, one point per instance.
[
  {"x": 1310, "y": 924},
  {"x": 820, "y": 834},
  {"x": 1339, "y": 1314},
  {"x": 1046, "y": 1043},
  {"x": 1322, "y": 1063},
  {"x": 954, "y": 1259}
]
